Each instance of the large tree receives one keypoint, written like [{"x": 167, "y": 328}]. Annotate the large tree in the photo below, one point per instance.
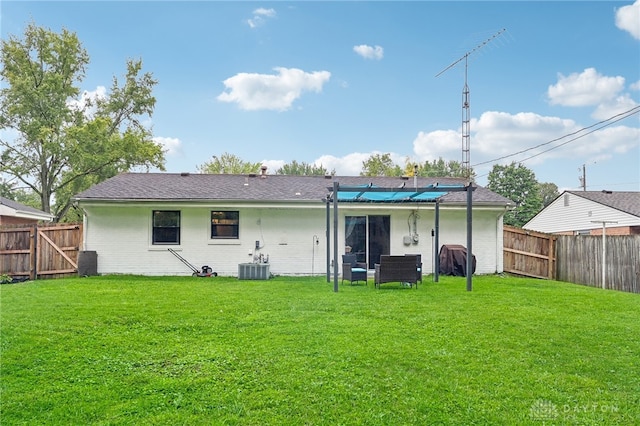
[
  {"x": 66, "y": 142},
  {"x": 380, "y": 165},
  {"x": 228, "y": 164},
  {"x": 301, "y": 169},
  {"x": 519, "y": 184},
  {"x": 548, "y": 193},
  {"x": 438, "y": 168},
  {"x": 6, "y": 189}
]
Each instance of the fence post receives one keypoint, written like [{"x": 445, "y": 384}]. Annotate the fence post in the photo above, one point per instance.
[
  {"x": 33, "y": 253},
  {"x": 552, "y": 254}
]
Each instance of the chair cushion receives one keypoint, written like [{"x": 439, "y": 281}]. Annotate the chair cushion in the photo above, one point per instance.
[{"x": 358, "y": 270}]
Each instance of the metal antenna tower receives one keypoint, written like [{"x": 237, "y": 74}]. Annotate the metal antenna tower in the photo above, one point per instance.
[{"x": 466, "y": 114}]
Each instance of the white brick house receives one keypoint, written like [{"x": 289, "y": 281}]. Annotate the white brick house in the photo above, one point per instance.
[{"x": 224, "y": 220}]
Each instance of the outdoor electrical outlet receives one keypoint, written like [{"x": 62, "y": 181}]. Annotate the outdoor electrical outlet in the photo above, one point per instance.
[{"x": 257, "y": 245}]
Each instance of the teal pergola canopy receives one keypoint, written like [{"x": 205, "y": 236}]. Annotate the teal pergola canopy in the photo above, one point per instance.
[{"x": 374, "y": 194}]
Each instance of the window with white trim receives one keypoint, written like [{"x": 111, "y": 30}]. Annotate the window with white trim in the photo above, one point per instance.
[
  {"x": 166, "y": 227},
  {"x": 225, "y": 224}
]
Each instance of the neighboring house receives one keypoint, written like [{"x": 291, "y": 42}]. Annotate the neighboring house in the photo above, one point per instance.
[
  {"x": 583, "y": 213},
  {"x": 222, "y": 220},
  {"x": 14, "y": 213}
]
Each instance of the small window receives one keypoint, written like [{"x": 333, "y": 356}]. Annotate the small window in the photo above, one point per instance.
[
  {"x": 225, "y": 224},
  {"x": 166, "y": 227}
]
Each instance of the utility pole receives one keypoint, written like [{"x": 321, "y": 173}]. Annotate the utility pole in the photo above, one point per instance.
[
  {"x": 604, "y": 248},
  {"x": 466, "y": 114},
  {"x": 583, "y": 178}
]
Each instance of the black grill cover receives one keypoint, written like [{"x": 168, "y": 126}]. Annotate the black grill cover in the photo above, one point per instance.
[{"x": 453, "y": 260}]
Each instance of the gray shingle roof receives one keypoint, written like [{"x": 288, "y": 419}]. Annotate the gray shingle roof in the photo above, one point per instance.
[
  {"x": 18, "y": 206},
  {"x": 205, "y": 187},
  {"x": 625, "y": 201}
]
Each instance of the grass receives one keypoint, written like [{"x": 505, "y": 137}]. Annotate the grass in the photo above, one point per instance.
[{"x": 179, "y": 350}]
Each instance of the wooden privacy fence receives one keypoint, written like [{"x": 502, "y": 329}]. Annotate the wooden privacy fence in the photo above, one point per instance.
[
  {"x": 49, "y": 251},
  {"x": 575, "y": 259},
  {"x": 580, "y": 261},
  {"x": 529, "y": 253}
]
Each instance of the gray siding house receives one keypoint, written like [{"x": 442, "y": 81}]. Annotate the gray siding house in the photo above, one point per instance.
[{"x": 582, "y": 213}]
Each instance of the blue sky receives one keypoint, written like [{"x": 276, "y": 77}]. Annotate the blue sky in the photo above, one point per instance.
[{"x": 333, "y": 82}]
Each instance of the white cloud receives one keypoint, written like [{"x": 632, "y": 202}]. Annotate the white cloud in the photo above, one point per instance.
[
  {"x": 635, "y": 86},
  {"x": 586, "y": 88},
  {"x": 351, "y": 164},
  {"x": 253, "y": 91},
  {"x": 498, "y": 134},
  {"x": 270, "y": 13},
  {"x": 87, "y": 101},
  {"x": 616, "y": 106},
  {"x": 436, "y": 144},
  {"x": 619, "y": 139},
  {"x": 171, "y": 146},
  {"x": 260, "y": 16},
  {"x": 628, "y": 19},
  {"x": 369, "y": 52}
]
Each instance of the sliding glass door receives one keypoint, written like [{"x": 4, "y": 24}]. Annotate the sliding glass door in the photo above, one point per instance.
[{"x": 368, "y": 237}]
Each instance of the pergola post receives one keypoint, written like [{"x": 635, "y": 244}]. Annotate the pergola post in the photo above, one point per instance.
[
  {"x": 436, "y": 256},
  {"x": 328, "y": 237},
  {"x": 335, "y": 236},
  {"x": 416, "y": 191},
  {"x": 469, "y": 238}
]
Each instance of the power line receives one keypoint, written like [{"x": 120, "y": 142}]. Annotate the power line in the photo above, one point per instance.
[
  {"x": 583, "y": 135},
  {"x": 601, "y": 185},
  {"x": 606, "y": 122}
]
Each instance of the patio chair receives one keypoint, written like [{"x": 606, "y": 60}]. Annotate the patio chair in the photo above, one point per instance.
[
  {"x": 418, "y": 266},
  {"x": 352, "y": 270}
]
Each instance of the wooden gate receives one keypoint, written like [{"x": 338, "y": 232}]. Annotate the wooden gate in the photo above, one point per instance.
[
  {"x": 17, "y": 251},
  {"x": 49, "y": 251},
  {"x": 529, "y": 253}
]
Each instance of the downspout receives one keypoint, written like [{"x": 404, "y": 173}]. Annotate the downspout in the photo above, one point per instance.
[
  {"x": 500, "y": 241},
  {"x": 85, "y": 227}
]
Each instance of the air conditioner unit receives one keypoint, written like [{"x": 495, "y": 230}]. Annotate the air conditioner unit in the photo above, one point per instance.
[{"x": 253, "y": 271}]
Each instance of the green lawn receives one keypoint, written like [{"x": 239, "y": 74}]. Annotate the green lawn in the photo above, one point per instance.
[{"x": 188, "y": 351}]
